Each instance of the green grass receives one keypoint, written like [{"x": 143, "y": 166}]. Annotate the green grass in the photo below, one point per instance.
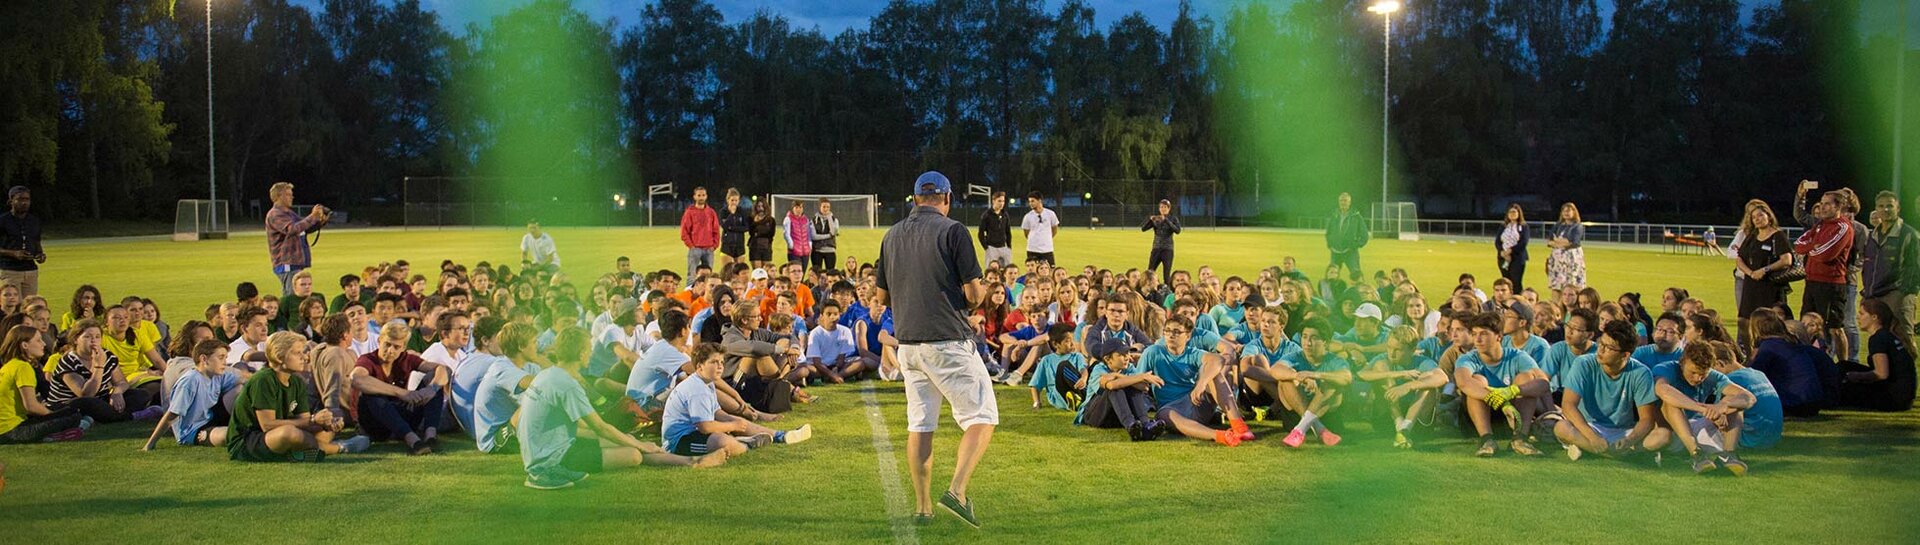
[{"x": 1848, "y": 478}]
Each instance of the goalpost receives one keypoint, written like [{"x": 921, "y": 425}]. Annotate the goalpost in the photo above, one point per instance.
[
  {"x": 853, "y": 210},
  {"x": 200, "y": 219}
]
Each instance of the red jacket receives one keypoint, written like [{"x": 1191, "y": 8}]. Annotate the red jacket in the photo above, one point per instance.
[
  {"x": 700, "y": 227},
  {"x": 1827, "y": 246}
]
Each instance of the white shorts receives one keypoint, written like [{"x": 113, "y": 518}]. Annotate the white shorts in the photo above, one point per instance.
[
  {"x": 949, "y": 370},
  {"x": 1609, "y": 434}
]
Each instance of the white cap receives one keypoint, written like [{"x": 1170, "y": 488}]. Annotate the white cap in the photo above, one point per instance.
[
  {"x": 759, "y": 274},
  {"x": 1368, "y": 310}
]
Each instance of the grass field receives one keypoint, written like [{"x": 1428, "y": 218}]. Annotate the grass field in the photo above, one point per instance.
[{"x": 1846, "y": 478}]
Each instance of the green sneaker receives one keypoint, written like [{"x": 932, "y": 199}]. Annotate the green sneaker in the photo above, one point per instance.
[{"x": 961, "y": 509}]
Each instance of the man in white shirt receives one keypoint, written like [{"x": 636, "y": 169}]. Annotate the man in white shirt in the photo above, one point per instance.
[
  {"x": 253, "y": 338},
  {"x": 451, "y": 349},
  {"x": 537, "y": 248},
  {"x": 1040, "y": 225}
]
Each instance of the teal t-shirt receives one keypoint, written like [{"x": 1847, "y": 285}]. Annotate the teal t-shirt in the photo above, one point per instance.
[
  {"x": 1044, "y": 374},
  {"x": 1420, "y": 363},
  {"x": 1328, "y": 364},
  {"x": 1226, "y": 316},
  {"x": 1613, "y": 402},
  {"x": 1097, "y": 370},
  {"x": 1708, "y": 391},
  {"x": 549, "y": 412},
  {"x": 1762, "y": 423},
  {"x": 1559, "y": 357},
  {"x": 1512, "y": 364},
  {"x": 1353, "y": 336},
  {"x": 1535, "y": 347},
  {"x": 1179, "y": 372},
  {"x": 1653, "y": 357},
  {"x": 1257, "y": 346}
]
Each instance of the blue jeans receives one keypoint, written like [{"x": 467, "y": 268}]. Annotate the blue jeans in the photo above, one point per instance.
[
  {"x": 1850, "y": 321},
  {"x": 1349, "y": 259},
  {"x": 286, "y": 278},
  {"x": 697, "y": 257},
  {"x": 384, "y": 417}
]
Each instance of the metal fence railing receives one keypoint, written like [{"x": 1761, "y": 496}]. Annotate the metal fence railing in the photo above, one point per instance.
[{"x": 1625, "y": 233}]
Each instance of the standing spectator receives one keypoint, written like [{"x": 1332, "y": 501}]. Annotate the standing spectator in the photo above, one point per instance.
[
  {"x": 1847, "y": 204},
  {"x": 1887, "y": 261},
  {"x": 1164, "y": 226},
  {"x": 1040, "y": 225},
  {"x": 826, "y": 230},
  {"x": 799, "y": 231},
  {"x": 20, "y": 253},
  {"x": 286, "y": 234},
  {"x": 1567, "y": 265},
  {"x": 1346, "y": 234},
  {"x": 735, "y": 222},
  {"x": 1512, "y": 244},
  {"x": 537, "y": 250},
  {"x": 1763, "y": 251},
  {"x": 927, "y": 260},
  {"x": 760, "y": 238},
  {"x": 1828, "y": 247},
  {"x": 996, "y": 236},
  {"x": 700, "y": 231}
]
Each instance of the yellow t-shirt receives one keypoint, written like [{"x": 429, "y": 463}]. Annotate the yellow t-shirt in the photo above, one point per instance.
[
  {"x": 16, "y": 374},
  {"x": 133, "y": 358},
  {"x": 148, "y": 333}
]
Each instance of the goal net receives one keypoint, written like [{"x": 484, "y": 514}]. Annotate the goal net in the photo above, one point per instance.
[
  {"x": 200, "y": 219},
  {"x": 853, "y": 210},
  {"x": 1396, "y": 220}
]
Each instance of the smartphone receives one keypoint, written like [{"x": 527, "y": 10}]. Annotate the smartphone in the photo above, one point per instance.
[{"x": 1810, "y": 185}]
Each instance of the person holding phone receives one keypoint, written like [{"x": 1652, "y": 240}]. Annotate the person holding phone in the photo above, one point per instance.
[
  {"x": 1164, "y": 226},
  {"x": 1846, "y": 205}
]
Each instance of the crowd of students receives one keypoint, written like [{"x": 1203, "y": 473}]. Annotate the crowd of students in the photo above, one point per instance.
[{"x": 524, "y": 362}]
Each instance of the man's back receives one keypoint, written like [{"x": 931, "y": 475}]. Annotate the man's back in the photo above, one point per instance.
[{"x": 924, "y": 260}]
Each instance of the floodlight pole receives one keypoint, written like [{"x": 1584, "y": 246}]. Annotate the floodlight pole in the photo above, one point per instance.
[
  {"x": 1899, "y": 89},
  {"x": 212, "y": 194},
  {"x": 1386, "y": 101}
]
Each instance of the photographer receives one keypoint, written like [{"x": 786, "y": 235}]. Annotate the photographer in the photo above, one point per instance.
[
  {"x": 287, "y": 234},
  {"x": 20, "y": 254}
]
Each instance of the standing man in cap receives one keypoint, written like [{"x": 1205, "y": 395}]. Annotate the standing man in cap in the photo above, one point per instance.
[
  {"x": 928, "y": 259},
  {"x": 287, "y": 234},
  {"x": 1164, "y": 226},
  {"x": 20, "y": 254}
]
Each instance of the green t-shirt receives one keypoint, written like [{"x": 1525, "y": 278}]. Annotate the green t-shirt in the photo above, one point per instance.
[{"x": 264, "y": 392}]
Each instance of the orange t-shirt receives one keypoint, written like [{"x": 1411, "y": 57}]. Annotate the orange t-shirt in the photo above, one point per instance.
[
  {"x": 694, "y": 304},
  {"x": 802, "y": 301}
]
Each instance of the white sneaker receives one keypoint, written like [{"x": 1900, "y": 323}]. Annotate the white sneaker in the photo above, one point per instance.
[
  {"x": 799, "y": 435},
  {"x": 1015, "y": 379},
  {"x": 1573, "y": 452},
  {"x": 357, "y": 443}
]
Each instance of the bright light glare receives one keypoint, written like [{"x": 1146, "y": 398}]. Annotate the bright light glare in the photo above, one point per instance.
[{"x": 1384, "y": 7}]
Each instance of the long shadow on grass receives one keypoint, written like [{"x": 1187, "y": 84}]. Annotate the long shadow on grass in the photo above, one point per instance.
[{"x": 98, "y": 507}]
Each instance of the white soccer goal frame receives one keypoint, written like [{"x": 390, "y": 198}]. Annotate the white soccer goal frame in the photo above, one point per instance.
[
  {"x": 779, "y": 203},
  {"x": 200, "y": 219}
]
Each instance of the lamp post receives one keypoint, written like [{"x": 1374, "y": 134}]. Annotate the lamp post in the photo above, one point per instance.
[{"x": 1385, "y": 8}]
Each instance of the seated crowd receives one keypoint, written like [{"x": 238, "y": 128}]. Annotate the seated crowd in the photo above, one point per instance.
[{"x": 524, "y": 363}]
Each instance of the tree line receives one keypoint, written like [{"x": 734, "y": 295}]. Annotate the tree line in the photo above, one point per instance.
[{"x": 1654, "y": 110}]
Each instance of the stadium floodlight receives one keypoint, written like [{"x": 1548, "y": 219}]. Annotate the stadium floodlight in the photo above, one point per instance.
[{"x": 1385, "y": 8}]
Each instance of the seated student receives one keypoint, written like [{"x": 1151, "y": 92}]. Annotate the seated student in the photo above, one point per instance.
[
  {"x": 1315, "y": 372},
  {"x": 1665, "y": 347},
  {"x": 1803, "y": 375},
  {"x": 23, "y": 419},
  {"x": 180, "y": 355},
  {"x": 1058, "y": 375},
  {"x": 552, "y": 410},
  {"x": 252, "y": 339},
  {"x": 1267, "y": 344},
  {"x": 1516, "y": 321},
  {"x": 451, "y": 339},
  {"x": 1608, "y": 400},
  {"x": 1367, "y": 337},
  {"x": 1886, "y": 383},
  {"x": 653, "y": 373},
  {"x": 1402, "y": 371},
  {"x": 141, "y": 363},
  {"x": 615, "y": 350},
  {"x": 757, "y": 365},
  {"x": 1116, "y": 313},
  {"x": 508, "y": 364},
  {"x": 1703, "y": 408},
  {"x": 87, "y": 378},
  {"x": 1497, "y": 378},
  {"x": 1117, "y": 393},
  {"x": 1228, "y": 314},
  {"x": 1579, "y": 332},
  {"x": 1024, "y": 339},
  {"x": 563, "y": 314},
  {"x": 830, "y": 347},
  {"x": 1195, "y": 390},
  {"x": 330, "y": 382},
  {"x": 693, "y": 423},
  {"x": 271, "y": 420},
  {"x": 1760, "y": 425},
  {"x": 391, "y": 406},
  {"x": 195, "y": 413},
  {"x": 873, "y": 335}
]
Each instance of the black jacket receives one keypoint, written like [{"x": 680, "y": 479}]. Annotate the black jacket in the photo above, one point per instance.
[{"x": 994, "y": 231}]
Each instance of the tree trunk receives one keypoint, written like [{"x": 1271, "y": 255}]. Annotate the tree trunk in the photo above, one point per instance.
[{"x": 93, "y": 173}]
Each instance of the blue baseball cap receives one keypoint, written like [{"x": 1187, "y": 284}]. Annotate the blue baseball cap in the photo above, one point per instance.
[{"x": 932, "y": 182}]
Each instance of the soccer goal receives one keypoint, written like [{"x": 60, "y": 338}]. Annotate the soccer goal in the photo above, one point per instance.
[
  {"x": 199, "y": 219},
  {"x": 853, "y": 210},
  {"x": 1396, "y": 219}
]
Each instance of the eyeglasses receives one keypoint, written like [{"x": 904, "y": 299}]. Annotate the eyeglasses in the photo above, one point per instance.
[
  {"x": 1611, "y": 347},
  {"x": 1173, "y": 332}
]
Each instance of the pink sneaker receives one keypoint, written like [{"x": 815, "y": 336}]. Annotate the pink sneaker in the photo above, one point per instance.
[
  {"x": 1328, "y": 438},
  {"x": 1294, "y": 439}
]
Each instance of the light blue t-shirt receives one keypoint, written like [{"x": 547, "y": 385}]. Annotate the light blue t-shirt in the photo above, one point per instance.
[
  {"x": 828, "y": 346},
  {"x": 1227, "y": 316},
  {"x": 1653, "y": 357},
  {"x": 1512, "y": 364},
  {"x": 1708, "y": 391},
  {"x": 1353, "y": 336},
  {"x": 1044, "y": 374},
  {"x": 1559, "y": 357},
  {"x": 1420, "y": 363},
  {"x": 692, "y": 401},
  {"x": 1257, "y": 346},
  {"x": 1613, "y": 402},
  {"x": 545, "y": 340},
  {"x": 193, "y": 398},
  {"x": 1206, "y": 322},
  {"x": 466, "y": 385},
  {"x": 1179, "y": 372},
  {"x": 1329, "y": 363},
  {"x": 1763, "y": 422},
  {"x": 1203, "y": 340},
  {"x": 603, "y": 358},
  {"x": 495, "y": 400},
  {"x": 549, "y": 414},
  {"x": 1535, "y": 347},
  {"x": 653, "y": 373},
  {"x": 1433, "y": 347}
]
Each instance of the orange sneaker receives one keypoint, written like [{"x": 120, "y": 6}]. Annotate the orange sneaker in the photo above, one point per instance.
[{"x": 1227, "y": 438}]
